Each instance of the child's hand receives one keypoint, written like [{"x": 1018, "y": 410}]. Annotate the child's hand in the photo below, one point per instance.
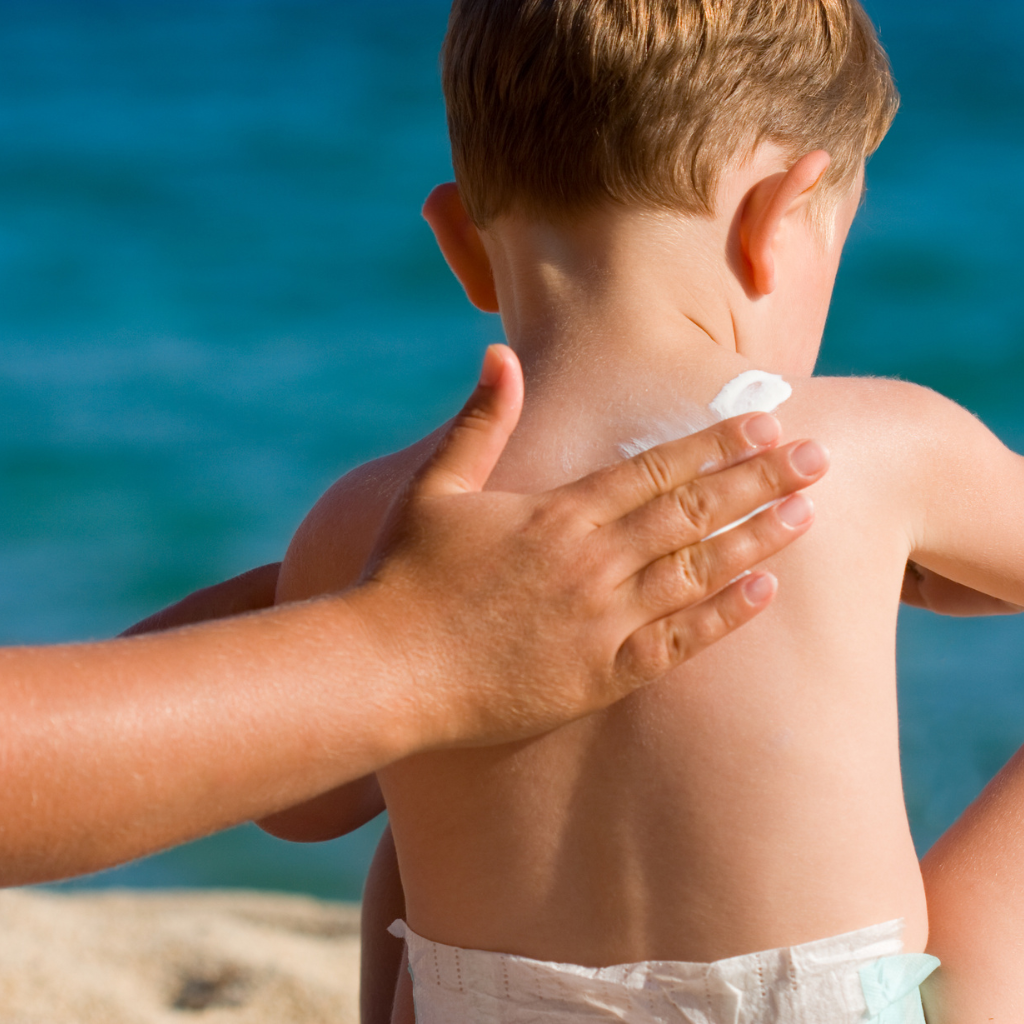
[{"x": 923, "y": 588}]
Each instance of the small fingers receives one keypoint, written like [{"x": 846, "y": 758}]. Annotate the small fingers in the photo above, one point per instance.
[
  {"x": 660, "y": 646},
  {"x": 700, "y": 508},
  {"x": 689, "y": 575},
  {"x": 614, "y": 492}
]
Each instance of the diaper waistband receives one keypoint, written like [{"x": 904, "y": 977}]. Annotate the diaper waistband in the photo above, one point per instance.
[{"x": 858, "y": 976}]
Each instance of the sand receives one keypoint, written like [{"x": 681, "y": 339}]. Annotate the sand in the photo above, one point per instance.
[{"x": 220, "y": 957}]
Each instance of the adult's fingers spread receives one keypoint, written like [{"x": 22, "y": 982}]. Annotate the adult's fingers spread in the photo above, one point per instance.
[
  {"x": 611, "y": 493},
  {"x": 699, "y": 508},
  {"x": 691, "y": 574},
  {"x": 660, "y": 646}
]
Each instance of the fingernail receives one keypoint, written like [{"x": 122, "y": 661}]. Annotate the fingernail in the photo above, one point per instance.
[
  {"x": 809, "y": 459},
  {"x": 490, "y": 372},
  {"x": 760, "y": 588},
  {"x": 762, "y": 430},
  {"x": 796, "y": 510}
]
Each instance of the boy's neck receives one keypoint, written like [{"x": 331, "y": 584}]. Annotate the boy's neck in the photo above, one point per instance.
[
  {"x": 612, "y": 284},
  {"x": 621, "y": 282}
]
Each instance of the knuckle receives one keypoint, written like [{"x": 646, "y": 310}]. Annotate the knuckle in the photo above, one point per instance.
[
  {"x": 472, "y": 418},
  {"x": 722, "y": 444},
  {"x": 655, "y": 469},
  {"x": 696, "y": 505},
  {"x": 765, "y": 470},
  {"x": 692, "y": 568},
  {"x": 750, "y": 542},
  {"x": 708, "y": 626},
  {"x": 669, "y": 583},
  {"x": 549, "y": 519},
  {"x": 678, "y": 643},
  {"x": 650, "y": 650}
]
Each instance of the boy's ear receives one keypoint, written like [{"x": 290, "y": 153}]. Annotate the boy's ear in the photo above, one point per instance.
[
  {"x": 767, "y": 208},
  {"x": 460, "y": 243}
]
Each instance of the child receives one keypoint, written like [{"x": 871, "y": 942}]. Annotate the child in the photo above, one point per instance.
[{"x": 655, "y": 194}]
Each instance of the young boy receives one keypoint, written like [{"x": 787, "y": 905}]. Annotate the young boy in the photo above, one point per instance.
[{"x": 654, "y": 194}]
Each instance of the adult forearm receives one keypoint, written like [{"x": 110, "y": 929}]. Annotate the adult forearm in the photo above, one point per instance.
[
  {"x": 118, "y": 749},
  {"x": 485, "y": 618},
  {"x": 974, "y": 881}
]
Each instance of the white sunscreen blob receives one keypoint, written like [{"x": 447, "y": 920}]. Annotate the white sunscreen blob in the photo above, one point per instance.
[{"x": 751, "y": 391}]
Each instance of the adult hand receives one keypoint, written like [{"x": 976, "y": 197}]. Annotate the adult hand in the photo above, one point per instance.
[
  {"x": 506, "y": 615},
  {"x": 486, "y": 617}
]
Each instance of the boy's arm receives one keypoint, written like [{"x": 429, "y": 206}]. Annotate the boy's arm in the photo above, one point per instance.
[
  {"x": 923, "y": 588},
  {"x": 332, "y": 814},
  {"x": 249, "y": 592},
  {"x": 966, "y": 492},
  {"x": 328, "y": 553}
]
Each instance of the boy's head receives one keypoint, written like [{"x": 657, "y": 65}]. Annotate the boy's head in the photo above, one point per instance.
[{"x": 556, "y": 107}]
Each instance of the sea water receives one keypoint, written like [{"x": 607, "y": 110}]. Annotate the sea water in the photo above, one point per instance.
[{"x": 216, "y": 295}]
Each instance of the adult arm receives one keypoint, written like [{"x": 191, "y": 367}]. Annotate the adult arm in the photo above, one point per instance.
[
  {"x": 974, "y": 881},
  {"x": 112, "y": 750}
]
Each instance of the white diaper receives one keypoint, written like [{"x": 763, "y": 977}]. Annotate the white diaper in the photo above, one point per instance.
[{"x": 861, "y": 977}]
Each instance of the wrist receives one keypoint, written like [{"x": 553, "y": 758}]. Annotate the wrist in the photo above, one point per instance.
[{"x": 396, "y": 642}]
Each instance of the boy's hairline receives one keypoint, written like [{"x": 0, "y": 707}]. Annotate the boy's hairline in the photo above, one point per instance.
[{"x": 821, "y": 211}]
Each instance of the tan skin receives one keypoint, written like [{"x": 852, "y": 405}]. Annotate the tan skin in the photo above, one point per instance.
[
  {"x": 966, "y": 901},
  {"x": 114, "y": 750},
  {"x": 485, "y": 854}
]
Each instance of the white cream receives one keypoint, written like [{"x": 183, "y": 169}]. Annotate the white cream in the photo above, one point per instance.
[{"x": 751, "y": 391}]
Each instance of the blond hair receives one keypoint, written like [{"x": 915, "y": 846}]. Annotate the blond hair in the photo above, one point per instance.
[{"x": 557, "y": 106}]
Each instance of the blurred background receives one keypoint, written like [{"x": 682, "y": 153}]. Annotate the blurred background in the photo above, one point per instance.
[{"x": 216, "y": 295}]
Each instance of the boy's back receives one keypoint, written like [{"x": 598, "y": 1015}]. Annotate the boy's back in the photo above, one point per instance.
[
  {"x": 749, "y": 801},
  {"x": 752, "y": 800}
]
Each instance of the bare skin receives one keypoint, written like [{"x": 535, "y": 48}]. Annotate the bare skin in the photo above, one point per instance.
[
  {"x": 250, "y": 592},
  {"x": 976, "y": 909},
  {"x": 117, "y": 749},
  {"x": 753, "y": 799}
]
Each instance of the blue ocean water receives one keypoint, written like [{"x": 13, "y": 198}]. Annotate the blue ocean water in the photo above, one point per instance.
[{"x": 216, "y": 295}]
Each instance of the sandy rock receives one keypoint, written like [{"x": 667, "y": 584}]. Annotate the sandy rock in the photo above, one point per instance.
[{"x": 221, "y": 957}]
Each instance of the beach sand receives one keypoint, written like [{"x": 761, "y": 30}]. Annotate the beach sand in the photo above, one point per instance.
[{"x": 219, "y": 957}]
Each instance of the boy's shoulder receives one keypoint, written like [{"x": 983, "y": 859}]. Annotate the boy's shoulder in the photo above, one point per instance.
[
  {"x": 891, "y": 427},
  {"x": 907, "y": 453},
  {"x": 331, "y": 545},
  {"x": 869, "y": 406},
  {"x": 881, "y": 431}
]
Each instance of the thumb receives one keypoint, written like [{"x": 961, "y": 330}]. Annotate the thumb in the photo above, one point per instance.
[{"x": 470, "y": 450}]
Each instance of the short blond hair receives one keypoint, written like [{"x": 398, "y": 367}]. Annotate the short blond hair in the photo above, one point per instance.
[{"x": 557, "y": 106}]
